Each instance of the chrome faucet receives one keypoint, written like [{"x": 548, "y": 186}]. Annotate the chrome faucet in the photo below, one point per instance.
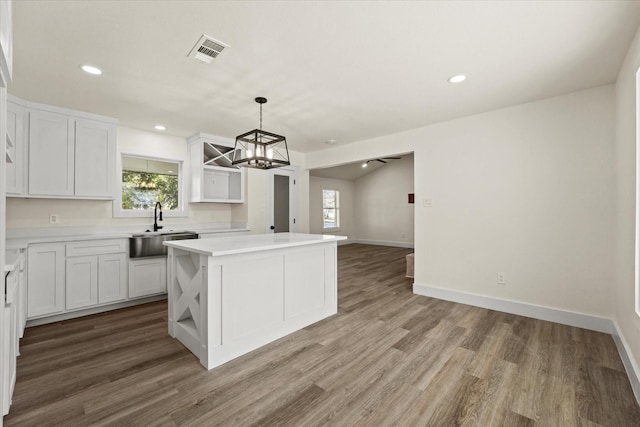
[{"x": 157, "y": 227}]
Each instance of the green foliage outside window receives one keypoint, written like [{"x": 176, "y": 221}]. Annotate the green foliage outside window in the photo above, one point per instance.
[{"x": 141, "y": 190}]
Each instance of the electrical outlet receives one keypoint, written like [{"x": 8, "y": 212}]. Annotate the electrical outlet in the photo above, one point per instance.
[
  {"x": 54, "y": 218},
  {"x": 427, "y": 203},
  {"x": 501, "y": 279}
]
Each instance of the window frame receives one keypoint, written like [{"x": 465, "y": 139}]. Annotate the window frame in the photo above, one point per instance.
[
  {"x": 337, "y": 209},
  {"x": 182, "y": 210}
]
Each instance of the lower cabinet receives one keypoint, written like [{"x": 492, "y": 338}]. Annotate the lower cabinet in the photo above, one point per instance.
[
  {"x": 13, "y": 328},
  {"x": 97, "y": 279},
  {"x": 45, "y": 279},
  {"x": 112, "y": 278},
  {"x": 82, "y": 282},
  {"x": 92, "y": 273},
  {"x": 147, "y": 276}
]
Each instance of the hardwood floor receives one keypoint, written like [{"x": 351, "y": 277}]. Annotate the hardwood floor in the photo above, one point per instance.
[{"x": 387, "y": 358}]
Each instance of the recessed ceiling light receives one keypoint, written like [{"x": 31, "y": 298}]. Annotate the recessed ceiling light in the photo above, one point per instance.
[
  {"x": 457, "y": 78},
  {"x": 331, "y": 141},
  {"x": 160, "y": 127},
  {"x": 365, "y": 164},
  {"x": 91, "y": 70}
]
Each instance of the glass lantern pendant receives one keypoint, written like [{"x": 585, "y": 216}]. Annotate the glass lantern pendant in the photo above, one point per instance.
[{"x": 260, "y": 149}]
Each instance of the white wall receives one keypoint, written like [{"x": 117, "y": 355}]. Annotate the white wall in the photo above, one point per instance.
[
  {"x": 381, "y": 203},
  {"x": 526, "y": 190},
  {"x": 625, "y": 149},
  {"x": 347, "y": 200}
]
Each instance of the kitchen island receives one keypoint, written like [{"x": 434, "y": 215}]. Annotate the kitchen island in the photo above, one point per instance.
[{"x": 231, "y": 295}]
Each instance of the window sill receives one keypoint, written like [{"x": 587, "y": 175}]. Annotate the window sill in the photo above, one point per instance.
[
  {"x": 330, "y": 230},
  {"x": 149, "y": 214}
]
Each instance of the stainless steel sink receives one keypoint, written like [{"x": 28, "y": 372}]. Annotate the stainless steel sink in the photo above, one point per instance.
[{"x": 150, "y": 245}]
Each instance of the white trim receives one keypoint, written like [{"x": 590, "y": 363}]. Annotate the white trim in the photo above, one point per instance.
[
  {"x": 65, "y": 111},
  {"x": 637, "y": 212},
  {"x": 571, "y": 318},
  {"x": 292, "y": 172},
  {"x": 382, "y": 243},
  {"x": 183, "y": 212},
  {"x": 627, "y": 360},
  {"x": 337, "y": 209},
  {"x": 94, "y": 310}
]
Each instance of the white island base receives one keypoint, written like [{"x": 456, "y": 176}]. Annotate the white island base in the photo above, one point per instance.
[{"x": 229, "y": 296}]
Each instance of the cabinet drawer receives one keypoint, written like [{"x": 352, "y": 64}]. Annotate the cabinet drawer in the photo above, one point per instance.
[{"x": 96, "y": 247}]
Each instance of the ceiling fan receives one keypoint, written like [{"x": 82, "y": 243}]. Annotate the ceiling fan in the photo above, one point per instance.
[{"x": 381, "y": 160}]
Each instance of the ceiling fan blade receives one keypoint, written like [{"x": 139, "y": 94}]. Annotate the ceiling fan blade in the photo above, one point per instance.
[
  {"x": 381, "y": 161},
  {"x": 392, "y": 158}
]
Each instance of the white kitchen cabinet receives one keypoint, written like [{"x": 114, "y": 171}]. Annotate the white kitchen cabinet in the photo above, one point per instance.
[
  {"x": 95, "y": 155},
  {"x": 65, "y": 277},
  {"x": 96, "y": 273},
  {"x": 70, "y": 156},
  {"x": 15, "y": 171},
  {"x": 6, "y": 39},
  {"x": 9, "y": 344},
  {"x": 112, "y": 278},
  {"x": 51, "y": 154},
  {"x": 45, "y": 279},
  {"x": 213, "y": 179},
  {"x": 82, "y": 282},
  {"x": 12, "y": 333},
  {"x": 147, "y": 276}
]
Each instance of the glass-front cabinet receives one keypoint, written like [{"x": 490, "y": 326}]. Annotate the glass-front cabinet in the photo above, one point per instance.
[{"x": 213, "y": 178}]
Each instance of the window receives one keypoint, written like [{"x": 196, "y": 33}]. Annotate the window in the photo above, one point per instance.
[
  {"x": 145, "y": 181},
  {"x": 330, "y": 209}
]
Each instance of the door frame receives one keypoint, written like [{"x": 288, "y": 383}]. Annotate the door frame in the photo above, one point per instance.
[{"x": 292, "y": 173}]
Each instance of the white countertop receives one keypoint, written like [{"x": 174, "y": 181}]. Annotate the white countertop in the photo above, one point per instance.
[
  {"x": 12, "y": 259},
  {"x": 51, "y": 237},
  {"x": 251, "y": 243}
]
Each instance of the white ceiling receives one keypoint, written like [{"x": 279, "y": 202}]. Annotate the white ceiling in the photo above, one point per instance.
[
  {"x": 353, "y": 171},
  {"x": 331, "y": 70}
]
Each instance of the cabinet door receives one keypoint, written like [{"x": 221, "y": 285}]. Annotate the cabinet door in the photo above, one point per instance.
[
  {"x": 6, "y": 39},
  {"x": 216, "y": 185},
  {"x": 147, "y": 276},
  {"x": 112, "y": 278},
  {"x": 82, "y": 282},
  {"x": 95, "y": 155},
  {"x": 51, "y": 154},
  {"x": 15, "y": 130},
  {"x": 45, "y": 280}
]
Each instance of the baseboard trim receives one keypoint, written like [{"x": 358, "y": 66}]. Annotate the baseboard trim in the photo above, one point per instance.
[
  {"x": 93, "y": 310},
  {"x": 580, "y": 320},
  {"x": 380, "y": 243},
  {"x": 629, "y": 362}
]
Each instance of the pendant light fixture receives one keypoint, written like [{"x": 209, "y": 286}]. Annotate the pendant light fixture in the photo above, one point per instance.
[{"x": 260, "y": 149}]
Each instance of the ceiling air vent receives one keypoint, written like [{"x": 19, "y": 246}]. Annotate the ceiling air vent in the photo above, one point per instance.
[{"x": 207, "y": 49}]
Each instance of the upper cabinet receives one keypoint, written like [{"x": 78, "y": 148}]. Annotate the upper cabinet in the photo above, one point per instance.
[
  {"x": 213, "y": 179},
  {"x": 51, "y": 154},
  {"x": 95, "y": 155},
  {"x": 16, "y": 148},
  {"x": 60, "y": 153},
  {"x": 6, "y": 39}
]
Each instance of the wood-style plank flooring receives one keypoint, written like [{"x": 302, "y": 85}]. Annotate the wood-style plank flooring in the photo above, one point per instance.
[{"x": 387, "y": 358}]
